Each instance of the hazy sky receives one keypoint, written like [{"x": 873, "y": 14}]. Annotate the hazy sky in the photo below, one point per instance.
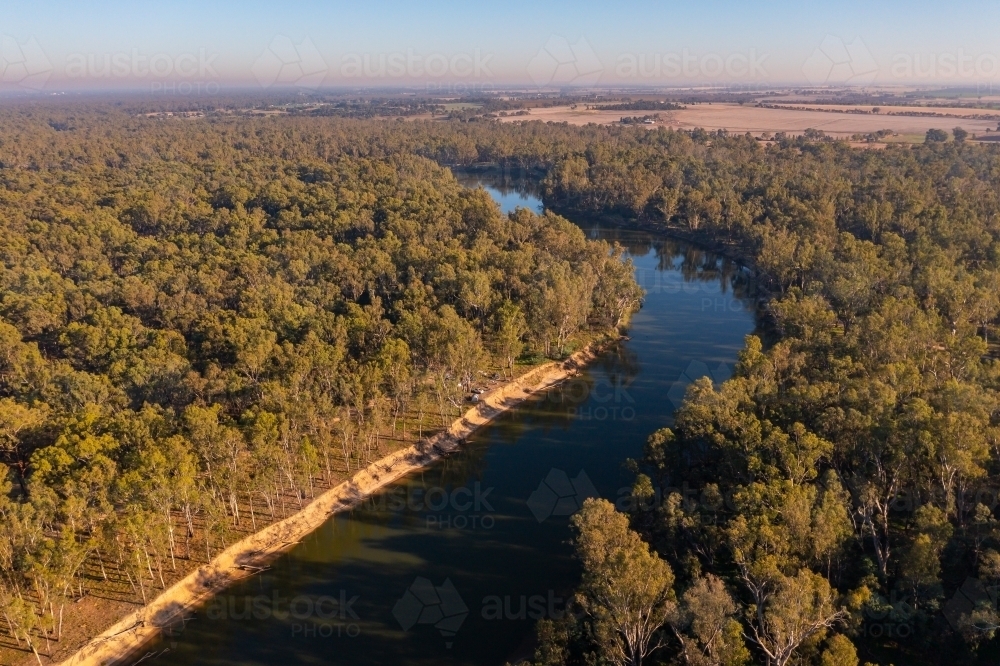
[{"x": 54, "y": 45}]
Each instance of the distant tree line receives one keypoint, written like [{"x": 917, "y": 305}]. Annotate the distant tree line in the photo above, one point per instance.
[{"x": 640, "y": 105}]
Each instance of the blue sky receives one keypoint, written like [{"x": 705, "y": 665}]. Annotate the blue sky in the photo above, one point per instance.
[{"x": 52, "y": 44}]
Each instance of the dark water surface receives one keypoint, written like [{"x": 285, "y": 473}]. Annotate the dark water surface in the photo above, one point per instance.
[{"x": 454, "y": 564}]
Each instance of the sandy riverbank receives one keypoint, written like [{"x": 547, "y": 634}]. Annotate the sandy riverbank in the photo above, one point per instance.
[{"x": 239, "y": 561}]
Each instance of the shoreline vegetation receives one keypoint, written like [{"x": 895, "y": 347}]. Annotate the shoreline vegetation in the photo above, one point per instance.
[
  {"x": 848, "y": 471},
  {"x": 205, "y": 326},
  {"x": 251, "y": 554}
]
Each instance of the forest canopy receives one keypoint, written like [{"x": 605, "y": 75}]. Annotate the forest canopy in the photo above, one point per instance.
[
  {"x": 199, "y": 323},
  {"x": 224, "y": 304}
]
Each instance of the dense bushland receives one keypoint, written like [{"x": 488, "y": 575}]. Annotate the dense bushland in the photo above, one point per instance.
[
  {"x": 201, "y": 322},
  {"x": 177, "y": 295}
]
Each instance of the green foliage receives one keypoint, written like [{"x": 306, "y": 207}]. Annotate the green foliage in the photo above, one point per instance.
[
  {"x": 627, "y": 590},
  {"x": 839, "y": 651},
  {"x": 199, "y": 323},
  {"x": 708, "y": 630},
  {"x": 845, "y": 461},
  {"x": 278, "y": 291},
  {"x": 936, "y": 136}
]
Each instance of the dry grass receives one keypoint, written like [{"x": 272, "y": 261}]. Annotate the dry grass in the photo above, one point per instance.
[{"x": 958, "y": 111}]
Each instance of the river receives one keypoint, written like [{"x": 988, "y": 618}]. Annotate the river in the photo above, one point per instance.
[{"x": 454, "y": 564}]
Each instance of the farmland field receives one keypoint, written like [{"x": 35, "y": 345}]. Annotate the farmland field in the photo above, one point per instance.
[{"x": 757, "y": 120}]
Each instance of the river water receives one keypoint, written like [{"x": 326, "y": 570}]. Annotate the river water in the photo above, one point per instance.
[{"x": 454, "y": 564}]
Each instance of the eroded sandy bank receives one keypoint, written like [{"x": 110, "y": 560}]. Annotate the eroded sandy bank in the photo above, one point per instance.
[{"x": 241, "y": 559}]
